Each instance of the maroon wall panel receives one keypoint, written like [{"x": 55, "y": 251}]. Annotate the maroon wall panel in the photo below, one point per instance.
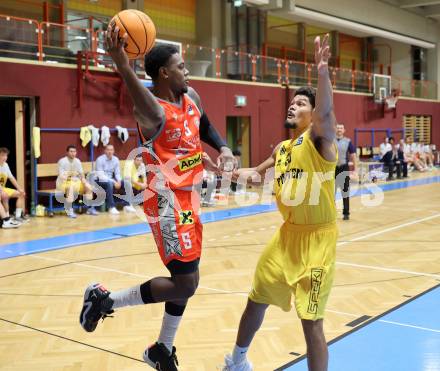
[
  {"x": 56, "y": 89},
  {"x": 265, "y": 107}
]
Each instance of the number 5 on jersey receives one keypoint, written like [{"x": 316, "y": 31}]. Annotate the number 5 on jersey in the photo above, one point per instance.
[{"x": 186, "y": 240}]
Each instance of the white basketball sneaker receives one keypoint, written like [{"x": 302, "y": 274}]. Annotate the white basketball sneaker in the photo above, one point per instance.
[{"x": 229, "y": 365}]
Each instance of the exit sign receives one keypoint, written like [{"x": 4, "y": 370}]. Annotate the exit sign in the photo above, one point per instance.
[{"x": 240, "y": 101}]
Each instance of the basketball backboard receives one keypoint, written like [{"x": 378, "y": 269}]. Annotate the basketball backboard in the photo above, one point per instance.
[{"x": 381, "y": 87}]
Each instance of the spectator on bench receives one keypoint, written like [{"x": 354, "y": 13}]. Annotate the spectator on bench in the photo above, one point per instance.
[
  {"x": 136, "y": 179},
  {"x": 410, "y": 149},
  {"x": 391, "y": 160},
  {"x": 403, "y": 157},
  {"x": 8, "y": 193},
  {"x": 6, "y": 222},
  {"x": 385, "y": 147},
  {"x": 72, "y": 182},
  {"x": 109, "y": 178}
]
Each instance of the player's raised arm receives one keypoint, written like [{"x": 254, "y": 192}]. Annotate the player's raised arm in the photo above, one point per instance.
[
  {"x": 147, "y": 110},
  {"x": 324, "y": 123}
]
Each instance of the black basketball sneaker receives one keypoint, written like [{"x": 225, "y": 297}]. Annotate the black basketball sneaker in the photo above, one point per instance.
[
  {"x": 97, "y": 304},
  {"x": 159, "y": 357}
]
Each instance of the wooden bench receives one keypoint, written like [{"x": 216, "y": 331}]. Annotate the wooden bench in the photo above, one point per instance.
[{"x": 51, "y": 171}]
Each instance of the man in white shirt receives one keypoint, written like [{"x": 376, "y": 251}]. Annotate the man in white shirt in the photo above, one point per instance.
[
  {"x": 385, "y": 147},
  {"x": 72, "y": 182},
  {"x": 8, "y": 193},
  {"x": 109, "y": 176}
]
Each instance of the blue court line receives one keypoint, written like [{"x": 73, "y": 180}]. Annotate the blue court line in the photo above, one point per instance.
[
  {"x": 107, "y": 234},
  {"x": 407, "y": 338},
  {"x": 101, "y": 235}
]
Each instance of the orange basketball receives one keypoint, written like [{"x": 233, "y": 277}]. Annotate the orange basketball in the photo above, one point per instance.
[{"x": 140, "y": 30}]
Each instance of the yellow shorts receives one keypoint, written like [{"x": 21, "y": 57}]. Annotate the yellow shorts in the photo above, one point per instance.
[
  {"x": 9, "y": 191},
  {"x": 76, "y": 186},
  {"x": 299, "y": 261}
]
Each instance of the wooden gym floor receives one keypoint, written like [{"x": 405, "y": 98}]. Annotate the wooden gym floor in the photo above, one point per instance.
[{"x": 386, "y": 254}]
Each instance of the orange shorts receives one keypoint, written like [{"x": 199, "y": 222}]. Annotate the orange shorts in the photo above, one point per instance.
[{"x": 176, "y": 226}]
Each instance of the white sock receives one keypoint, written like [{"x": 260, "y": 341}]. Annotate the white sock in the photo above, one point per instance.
[
  {"x": 168, "y": 331},
  {"x": 18, "y": 212},
  {"x": 124, "y": 298},
  {"x": 239, "y": 354}
]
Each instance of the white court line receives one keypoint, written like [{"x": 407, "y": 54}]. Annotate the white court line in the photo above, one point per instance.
[
  {"x": 343, "y": 313},
  {"x": 260, "y": 329},
  {"x": 242, "y": 294},
  {"x": 389, "y": 229},
  {"x": 411, "y": 326},
  {"x": 384, "y": 321},
  {"x": 126, "y": 273},
  {"x": 436, "y": 276},
  {"x": 432, "y": 275}
]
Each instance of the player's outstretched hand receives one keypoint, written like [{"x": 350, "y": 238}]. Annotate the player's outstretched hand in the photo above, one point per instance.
[
  {"x": 115, "y": 45},
  {"x": 209, "y": 165},
  {"x": 226, "y": 161},
  {"x": 322, "y": 53}
]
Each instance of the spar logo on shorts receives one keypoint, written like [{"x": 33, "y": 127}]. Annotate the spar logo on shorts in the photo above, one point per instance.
[
  {"x": 316, "y": 279},
  {"x": 190, "y": 162},
  {"x": 185, "y": 217}
]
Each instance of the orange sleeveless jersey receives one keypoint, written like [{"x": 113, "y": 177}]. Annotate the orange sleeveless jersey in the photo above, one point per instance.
[{"x": 176, "y": 151}]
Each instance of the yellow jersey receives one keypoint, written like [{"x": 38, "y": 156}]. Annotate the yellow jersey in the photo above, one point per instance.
[
  {"x": 5, "y": 174},
  {"x": 304, "y": 183}
]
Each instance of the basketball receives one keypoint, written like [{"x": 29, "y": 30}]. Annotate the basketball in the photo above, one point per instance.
[{"x": 140, "y": 30}]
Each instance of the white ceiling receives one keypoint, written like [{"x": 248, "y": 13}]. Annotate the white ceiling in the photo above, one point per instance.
[{"x": 426, "y": 8}]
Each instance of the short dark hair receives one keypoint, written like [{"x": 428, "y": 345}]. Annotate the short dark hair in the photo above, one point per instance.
[
  {"x": 4, "y": 150},
  {"x": 158, "y": 57},
  {"x": 309, "y": 92},
  {"x": 69, "y": 147}
]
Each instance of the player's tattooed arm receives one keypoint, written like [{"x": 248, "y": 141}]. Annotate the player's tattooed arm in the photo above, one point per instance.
[
  {"x": 147, "y": 111},
  {"x": 324, "y": 121}
]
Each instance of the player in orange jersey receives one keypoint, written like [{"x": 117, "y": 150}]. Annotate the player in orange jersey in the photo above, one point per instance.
[{"x": 171, "y": 124}]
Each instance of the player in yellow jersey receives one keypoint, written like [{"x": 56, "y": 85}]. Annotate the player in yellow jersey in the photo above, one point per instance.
[
  {"x": 299, "y": 261},
  {"x": 8, "y": 193}
]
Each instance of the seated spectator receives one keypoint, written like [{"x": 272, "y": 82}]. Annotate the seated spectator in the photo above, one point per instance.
[
  {"x": 209, "y": 183},
  {"x": 428, "y": 156},
  {"x": 436, "y": 154},
  {"x": 8, "y": 193},
  {"x": 6, "y": 221},
  {"x": 136, "y": 178},
  {"x": 109, "y": 177},
  {"x": 402, "y": 157},
  {"x": 410, "y": 150},
  {"x": 384, "y": 148},
  {"x": 72, "y": 182},
  {"x": 391, "y": 160},
  {"x": 209, "y": 186}
]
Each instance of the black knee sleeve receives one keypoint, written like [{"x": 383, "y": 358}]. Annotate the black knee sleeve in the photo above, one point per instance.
[
  {"x": 174, "y": 309},
  {"x": 146, "y": 295}
]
